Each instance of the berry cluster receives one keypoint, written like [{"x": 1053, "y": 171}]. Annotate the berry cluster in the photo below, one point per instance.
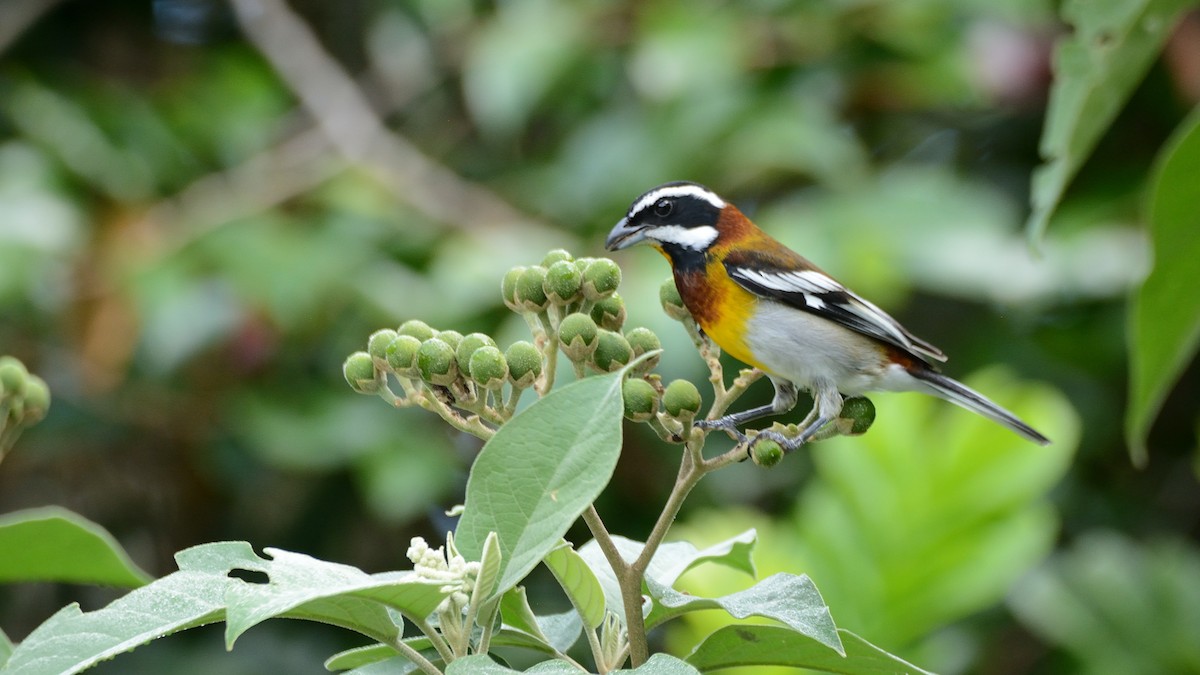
[
  {"x": 573, "y": 310},
  {"x": 24, "y": 401}
]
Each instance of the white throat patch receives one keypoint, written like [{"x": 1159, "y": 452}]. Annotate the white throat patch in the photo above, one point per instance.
[{"x": 694, "y": 238}]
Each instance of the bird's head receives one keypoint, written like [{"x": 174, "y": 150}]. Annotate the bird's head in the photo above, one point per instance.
[{"x": 679, "y": 219}]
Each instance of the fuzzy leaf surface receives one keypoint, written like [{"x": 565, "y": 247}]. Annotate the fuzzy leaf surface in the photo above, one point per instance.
[
  {"x": 539, "y": 472},
  {"x": 54, "y": 544}
]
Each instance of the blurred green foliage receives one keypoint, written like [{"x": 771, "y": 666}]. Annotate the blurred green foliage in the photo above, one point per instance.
[{"x": 186, "y": 257}]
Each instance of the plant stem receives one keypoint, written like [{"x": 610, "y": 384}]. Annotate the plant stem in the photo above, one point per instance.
[
  {"x": 415, "y": 656},
  {"x": 430, "y": 632},
  {"x": 631, "y": 587}
]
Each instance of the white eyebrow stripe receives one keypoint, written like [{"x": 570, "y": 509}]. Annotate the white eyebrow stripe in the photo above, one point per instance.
[{"x": 677, "y": 191}]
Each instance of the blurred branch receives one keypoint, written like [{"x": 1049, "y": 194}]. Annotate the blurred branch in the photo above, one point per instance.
[
  {"x": 346, "y": 118},
  {"x": 17, "y": 15}
]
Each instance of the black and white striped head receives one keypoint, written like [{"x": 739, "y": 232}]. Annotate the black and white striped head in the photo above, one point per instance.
[{"x": 678, "y": 216}]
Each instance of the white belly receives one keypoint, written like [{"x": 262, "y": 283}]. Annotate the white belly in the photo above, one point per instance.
[{"x": 801, "y": 347}]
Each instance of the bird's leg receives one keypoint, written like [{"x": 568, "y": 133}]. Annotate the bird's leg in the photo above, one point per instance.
[
  {"x": 785, "y": 400},
  {"x": 828, "y": 404}
]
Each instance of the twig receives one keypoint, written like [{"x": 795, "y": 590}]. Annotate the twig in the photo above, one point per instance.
[
  {"x": 346, "y": 118},
  {"x": 18, "y": 15}
]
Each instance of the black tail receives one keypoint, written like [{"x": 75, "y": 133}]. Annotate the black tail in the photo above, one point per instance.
[{"x": 960, "y": 394}]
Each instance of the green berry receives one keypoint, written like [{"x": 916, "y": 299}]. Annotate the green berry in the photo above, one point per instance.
[
  {"x": 524, "y": 363},
  {"x": 766, "y": 453},
  {"x": 862, "y": 411},
  {"x": 640, "y": 398},
  {"x": 12, "y": 376},
  {"x": 643, "y": 340},
  {"x": 401, "y": 355},
  {"x": 612, "y": 351},
  {"x": 557, "y": 255},
  {"x": 531, "y": 290},
  {"x": 600, "y": 279},
  {"x": 416, "y": 328},
  {"x": 577, "y": 335},
  {"x": 359, "y": 371},
  {"x": 564, "y": 283},
  {"x": 450, "y": 337},
  {"x": 672, "y": 304},
  {"x": 488, "y": 367},
  {"x": 681, "y": 399},
  {"x": 37, "y": 400},
  {"x": 508, "y": 288},
  {"x": 467, "y": 346},
  {"x": 609, "y": 312},
  {"x": 435, "y": 362},
  {"x": 378, "y": 343}
]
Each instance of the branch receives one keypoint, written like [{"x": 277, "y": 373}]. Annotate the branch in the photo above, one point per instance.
[{"x": 346, "y": 118}]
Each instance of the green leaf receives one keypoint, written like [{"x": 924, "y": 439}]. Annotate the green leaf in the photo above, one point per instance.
[
  {"x": 302, "y": 587},
  {"x": 72, "y": 641},
  {"x": 792, "y": 600},
  {"x": 1118, "y": 605},
  {"x": 481, "y": 664},
  {"x": 744, "y": 645},
  {"x": 516, "y": 612},
  {"x": 669, "y": 562},
  {"x": 54, "y": 544},
  {"x": 1164, "y": 317},
  {"x": 202, "y": 592},
  {"x": 6, "y": 648},
  {"x": 360, "y": 656},
  {"x": 580, "y": 584},
  {"x": 1095, "y": 71},
  {"x": 663, "y": 664},
  {"x": 540, "y": 471}
]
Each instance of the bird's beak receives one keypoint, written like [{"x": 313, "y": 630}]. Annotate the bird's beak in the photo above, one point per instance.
[{"x": 624, "y": 236}]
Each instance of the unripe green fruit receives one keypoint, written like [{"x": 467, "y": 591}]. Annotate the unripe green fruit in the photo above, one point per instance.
[
  {"x": 681, "y": 399},
  {"x": 640, "y": 399},
  {"x": 435, "y": 362},
  {"x": 577, "y": 335},
  {"x": 508, "y": 288},
  {"x": 401, "y": 355},
  {"x": 450, "y": 337},
  {"x": 12, "y": 376},
  {"x": 642, "y": 340},
  {"x": 416, "y": 328},
  {"x": 488, "y": 367},
  {"x": 564, "y": 283},
  {"x": 557, "y": 255},
  {"x": 862, "y": 411},
  {"x": 672, "y": 304},
  {"x": 766, "y": 453},
  {"x": 612, "y": 351},
  {"x": 378, "y": 343},
  {"x": 467, "y": 346},
  {"x": 37, "y": 400},
  {"x": 524, "y": 363},
  {"x": 601, "y": 279},
  {"x": 609, "y": 313},
  {"x": 359, "y": 371},
  {"x": 531, "y": 290}
]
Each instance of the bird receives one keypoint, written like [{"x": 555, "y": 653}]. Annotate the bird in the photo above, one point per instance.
[{"x": 771, "y": 308}]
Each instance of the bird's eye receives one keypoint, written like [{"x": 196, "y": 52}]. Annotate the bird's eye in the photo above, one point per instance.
[{"x": 663, "y": 207}]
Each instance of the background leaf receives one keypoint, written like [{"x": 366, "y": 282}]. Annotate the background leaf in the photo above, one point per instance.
[
  {"x": 1164, "y": 316},
  {"x": 54, "y": 544},
  {"x": 1096, "y": 69},
  {"x": 1118, "y": 606},
  {"x": 747, "y": 645},
  {"x": 540, "y": 471}
]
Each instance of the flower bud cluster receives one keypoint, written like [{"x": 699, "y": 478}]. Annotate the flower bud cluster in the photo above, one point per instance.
[
  {"x": 24, "y": 400},
  {"x": 456, "y": 575}
]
